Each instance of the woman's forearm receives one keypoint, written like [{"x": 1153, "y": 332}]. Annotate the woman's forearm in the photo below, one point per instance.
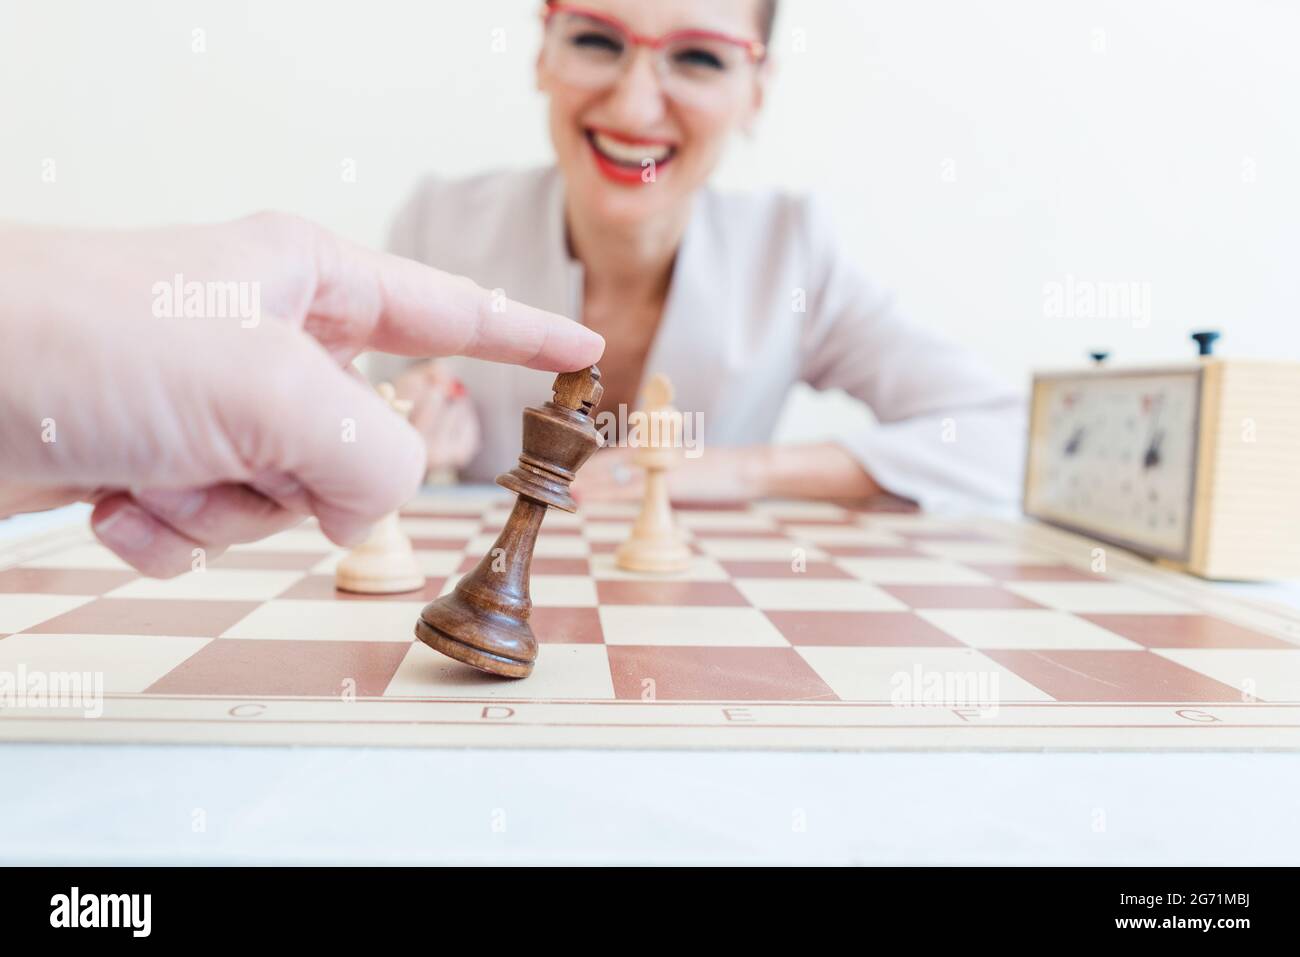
[{"x": 821, "y": 470}]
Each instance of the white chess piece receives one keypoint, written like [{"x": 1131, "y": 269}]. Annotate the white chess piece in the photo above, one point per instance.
[
  {"x": 384, "y": 564},
  {"x": 655, "y": 544}
]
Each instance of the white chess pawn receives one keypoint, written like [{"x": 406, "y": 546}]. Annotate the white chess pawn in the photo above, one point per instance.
[
  {"x": 655, "y": 544},
  {"x": 384, "y": 564}
]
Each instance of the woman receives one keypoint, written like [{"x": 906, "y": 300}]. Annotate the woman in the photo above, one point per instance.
[{"x": 734, "y": 297}]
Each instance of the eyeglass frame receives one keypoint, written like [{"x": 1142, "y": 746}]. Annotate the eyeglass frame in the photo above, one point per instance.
[{"x": 755, "y": 49}]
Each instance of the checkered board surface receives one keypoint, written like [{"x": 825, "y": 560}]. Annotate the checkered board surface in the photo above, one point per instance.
[{"x": 798, "y": 625}]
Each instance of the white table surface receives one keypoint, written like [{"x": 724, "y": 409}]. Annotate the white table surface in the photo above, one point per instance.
[
  {"x": 65, "y": 804},
  {"x": 137, "y": 804}
]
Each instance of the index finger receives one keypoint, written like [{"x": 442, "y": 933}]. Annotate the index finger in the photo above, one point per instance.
[{"x": 417, "y": 310}]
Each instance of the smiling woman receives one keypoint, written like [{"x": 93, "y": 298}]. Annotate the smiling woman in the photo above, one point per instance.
[{"x": 735, "y": 298}]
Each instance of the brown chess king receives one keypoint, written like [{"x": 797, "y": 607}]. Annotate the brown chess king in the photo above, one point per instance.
[{"x": 484, "y": 621}]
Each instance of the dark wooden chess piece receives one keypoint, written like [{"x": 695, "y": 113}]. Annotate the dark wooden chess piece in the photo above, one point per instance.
[{"x": 484, "y": 621}]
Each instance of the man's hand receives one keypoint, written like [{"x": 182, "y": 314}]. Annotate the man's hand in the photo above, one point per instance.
[{"x": 190, "y": 429}]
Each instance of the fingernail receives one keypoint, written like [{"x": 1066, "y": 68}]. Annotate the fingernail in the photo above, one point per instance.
[
  {"x": 129, "y": 529},
  {"x": 173, "y": 503}
]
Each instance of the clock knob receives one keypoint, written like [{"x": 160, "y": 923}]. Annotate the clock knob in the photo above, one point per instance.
[
  {"x": 1205, "y": 342},
  {"x": 1099, "y": 357}
]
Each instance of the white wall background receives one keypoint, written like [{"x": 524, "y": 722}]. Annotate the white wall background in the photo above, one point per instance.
[{"x": 973, "y": 151}]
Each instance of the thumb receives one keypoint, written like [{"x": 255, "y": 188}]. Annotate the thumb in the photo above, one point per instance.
[{"x": 351, "y": 456}]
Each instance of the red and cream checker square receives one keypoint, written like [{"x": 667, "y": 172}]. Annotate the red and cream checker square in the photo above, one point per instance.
[
  {"x": 842, "y": 535},
  {"x": 92, "y": 582},
  {"x": 1185, "y": 631},
  {"x": 556, "y": 520},
  {"x": 430, "y": 562},
  {"x": 957, "y": 596},
  {"x": 1024, "y": 628},
  {"x": 556, "y": 531},
  {"x": 616, "y": 532},
  {"x": 562, "y": 591},
  {"x": 555, "y": 591},
  {"x": 844, "y": 520},
  {"x": 905, "y": 571},
  {"x": 725, "y": 519},
  {"x": 548, "y": 546},
  {"x": 539, "y": 566},
  {"x": 601, "y": 511},
  {"x": 745, "y": 534},
  {"x": 233, "y": 666},
  {"x": 128, "y": 664},
  {"x": 435, "y": 563},
  {"x": 902, "y": 674},
  {"x": 461, "y": 529},
  {"x": 660, "y": 673},
  {"x": 419, "y": 509},
  {"x": 422, "y": 544},
  {"x": 561, "y": 566},
  {"x": 567, "y": 626},
  {"x": 329, "y": 621},
  {"x": 1077, "y": 675},
  {"x": 90, "y": 555},
  {"x": 785, "y": 569},
  {"x": 862, "y": 628},
  {"x": 454, "y": 503},
  {"x": 562, "y": 671},
  {"x": 701, "y": 568},
  {"x": 688, "y": 625},
  {"x": 668, "y": 592},
  {"x": 275, "y": 561},
  {"x": 759, "y": 549},
  {"x": 1102, "y": 596},
  {"x": 791, "y": 510},
  {"x": 1264, "y": 674},
  {"x": 147, "y": 616},
  {"x": 962, "y": 601},
  {"x": 1023, "y": 571},
  {"x": 211, "y": 583},
  {"x": 1006, "y": 553},
  {"x": 21, "y": 612},
  {"x": 816, "y": 595},
  {"x": 870, "y": 551},
  {"x": 944, "y": 530},
  {"x": 321, "y": 588}
]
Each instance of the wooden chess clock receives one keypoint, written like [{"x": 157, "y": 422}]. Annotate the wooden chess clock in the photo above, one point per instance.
[{"x": 1196, "y": 465}]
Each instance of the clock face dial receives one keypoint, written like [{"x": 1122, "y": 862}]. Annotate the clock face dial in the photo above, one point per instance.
[{"x": 1115, "y": 454}]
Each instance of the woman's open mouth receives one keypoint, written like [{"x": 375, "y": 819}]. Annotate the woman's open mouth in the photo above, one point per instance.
[{"x": 627, "y": 160}]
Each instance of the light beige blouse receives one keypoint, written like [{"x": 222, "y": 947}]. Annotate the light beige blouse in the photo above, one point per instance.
[{"x": 760, "y": 298}]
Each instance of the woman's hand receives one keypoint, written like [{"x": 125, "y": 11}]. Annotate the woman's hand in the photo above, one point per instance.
[
  {"x": 442, "y": 413},
  {"x": 195, "y": 382},
  {"x": 824, "y": 470},
  {"x": 716, "y": 475}
]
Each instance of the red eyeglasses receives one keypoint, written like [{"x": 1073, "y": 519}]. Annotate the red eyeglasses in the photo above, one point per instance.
[{"x": 592, "y": 49}]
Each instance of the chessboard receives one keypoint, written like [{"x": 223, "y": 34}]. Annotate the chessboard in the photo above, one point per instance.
[{"x": 798, "y": 625}]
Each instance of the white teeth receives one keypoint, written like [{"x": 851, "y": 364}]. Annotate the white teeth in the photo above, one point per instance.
[{"x": 632, "y": 153}]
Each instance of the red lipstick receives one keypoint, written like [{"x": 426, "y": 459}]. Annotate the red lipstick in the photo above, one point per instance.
[{"x": 624, "y": 173}]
